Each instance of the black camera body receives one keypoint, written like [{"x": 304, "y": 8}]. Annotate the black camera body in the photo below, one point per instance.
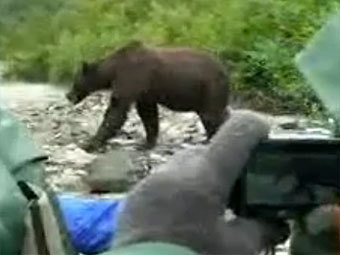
[{"x": 288, "y": 176}]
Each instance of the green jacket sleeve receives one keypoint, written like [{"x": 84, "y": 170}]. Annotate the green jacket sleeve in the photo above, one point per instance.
[
  {"x": 19, "y": 160},
  {"x": 151, "y": 248}
]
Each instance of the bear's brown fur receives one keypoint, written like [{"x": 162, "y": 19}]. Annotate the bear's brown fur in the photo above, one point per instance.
[{"x": 180, "y": 79}]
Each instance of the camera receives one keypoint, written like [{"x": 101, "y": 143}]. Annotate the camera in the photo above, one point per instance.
[{"x": 289, "y": 175}]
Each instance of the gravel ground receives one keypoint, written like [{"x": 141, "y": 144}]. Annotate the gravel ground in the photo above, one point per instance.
[{"x": 58, "y": 127}]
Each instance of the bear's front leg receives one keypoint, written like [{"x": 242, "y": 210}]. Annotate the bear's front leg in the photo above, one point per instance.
[
  {"x": 114, "y": 118},
  {"x": 148, "y": 113}
]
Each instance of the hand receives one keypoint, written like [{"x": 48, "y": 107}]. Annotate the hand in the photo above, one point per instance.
[{"x": 322, "y": 218}]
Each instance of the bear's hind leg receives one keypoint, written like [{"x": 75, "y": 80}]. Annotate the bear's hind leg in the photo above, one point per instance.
[
  {"x": 211, "y": 122},
  {"x": 148, "y": 113}
]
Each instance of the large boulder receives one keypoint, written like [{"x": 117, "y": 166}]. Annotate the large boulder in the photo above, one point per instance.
[{"x": 110, "y": 172}]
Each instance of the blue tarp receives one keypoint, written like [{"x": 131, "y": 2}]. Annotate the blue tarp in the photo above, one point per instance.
[{"x": 91, "y": 221}]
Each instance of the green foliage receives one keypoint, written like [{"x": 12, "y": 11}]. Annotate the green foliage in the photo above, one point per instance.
[{"x": 258, "y": 38}]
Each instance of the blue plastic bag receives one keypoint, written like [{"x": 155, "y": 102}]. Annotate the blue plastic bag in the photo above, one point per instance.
[{"x": 91, "y": 221}]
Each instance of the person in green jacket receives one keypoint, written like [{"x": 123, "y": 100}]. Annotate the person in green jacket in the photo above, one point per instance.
[{"x": 20, "y": 160}]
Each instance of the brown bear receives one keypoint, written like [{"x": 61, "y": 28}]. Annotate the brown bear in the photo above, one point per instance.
[{"x": 180, "y": 79}]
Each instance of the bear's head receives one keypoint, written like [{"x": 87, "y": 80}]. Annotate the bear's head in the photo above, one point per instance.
[
  {"x": 98, "y": 76},
  {"x": 87, "y": 81}
]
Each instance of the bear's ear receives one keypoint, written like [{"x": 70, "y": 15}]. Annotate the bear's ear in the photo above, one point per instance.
[
  {"x": 134, "y": 44},
  {"x": 131, "y": 46}
]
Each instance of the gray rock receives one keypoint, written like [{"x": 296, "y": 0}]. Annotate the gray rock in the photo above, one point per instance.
[{"x": 110, "y": 172}]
